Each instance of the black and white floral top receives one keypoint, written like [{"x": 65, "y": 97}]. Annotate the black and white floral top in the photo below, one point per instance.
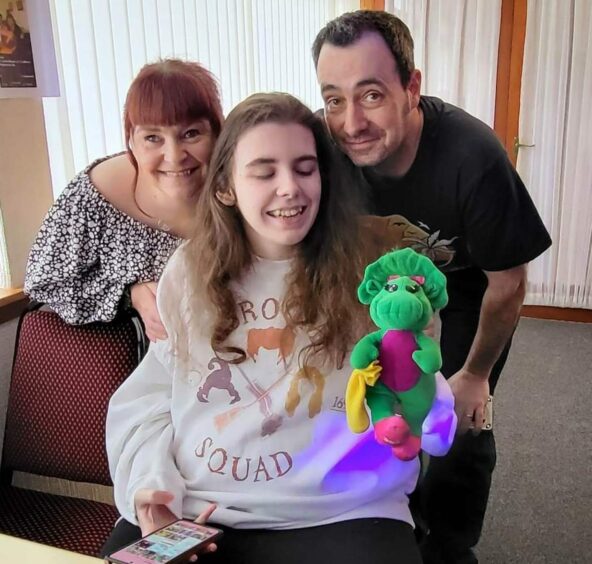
[{"x": 87, "y": 252}]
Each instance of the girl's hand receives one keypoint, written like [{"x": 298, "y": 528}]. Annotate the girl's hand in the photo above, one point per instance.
[
  {"x": 202, "y": 519},
  {"x": 143, "y": 296},
  {"x": 430, "y": 328},
  {"x": 153, "y": 513}
]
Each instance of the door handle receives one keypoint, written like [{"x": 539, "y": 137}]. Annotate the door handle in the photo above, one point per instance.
[{"x": 517, "y": 145}]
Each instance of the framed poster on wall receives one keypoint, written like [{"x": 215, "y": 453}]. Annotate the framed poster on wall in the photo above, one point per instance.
[{"x": 27, "y": 56}]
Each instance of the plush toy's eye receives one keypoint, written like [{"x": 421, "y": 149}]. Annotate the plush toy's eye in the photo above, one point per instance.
[
  {"x": 413, "y": 288},
  {"x": 391, "y": 287}
]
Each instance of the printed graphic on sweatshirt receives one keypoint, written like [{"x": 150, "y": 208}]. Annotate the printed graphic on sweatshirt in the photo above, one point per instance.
[
  {"x": 220, "y": 378},
  {"x": 309, "y": 378},
  {"x": 228, "y": 379},
  {"x": 265, "y": 467},
  {"x": 338, "y": 404},
  {"x": 272, "y": 338},
  {"x": 305, "y": 392},
  {"x": 260, "y": 397},
  {"x": 398, "y": 232},
  {"x": 308, "y": 382},
  {"x": 249, "y": 387}
]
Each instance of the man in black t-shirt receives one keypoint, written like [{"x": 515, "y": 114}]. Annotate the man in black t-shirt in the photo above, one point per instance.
[{"x": 442, "y": 184}]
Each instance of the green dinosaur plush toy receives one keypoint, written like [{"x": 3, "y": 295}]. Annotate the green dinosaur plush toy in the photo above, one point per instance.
[{"x": 394, "y": 367}]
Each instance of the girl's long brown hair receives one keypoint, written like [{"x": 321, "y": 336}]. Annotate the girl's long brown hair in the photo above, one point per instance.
[{"x": 327, "y": 267}]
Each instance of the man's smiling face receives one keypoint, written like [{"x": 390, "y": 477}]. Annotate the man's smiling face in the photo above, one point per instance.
[{"x": 367, "y": 109}]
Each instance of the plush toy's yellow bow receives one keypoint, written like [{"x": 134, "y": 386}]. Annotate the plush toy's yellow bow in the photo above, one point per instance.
[{"x": 357, "y": 418}]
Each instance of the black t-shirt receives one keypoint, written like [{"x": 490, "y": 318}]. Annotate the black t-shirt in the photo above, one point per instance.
[{"x": 461, "y": 203}]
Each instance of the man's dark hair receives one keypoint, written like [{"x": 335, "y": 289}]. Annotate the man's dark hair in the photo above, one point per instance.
[{"x": 348, "y": 28}]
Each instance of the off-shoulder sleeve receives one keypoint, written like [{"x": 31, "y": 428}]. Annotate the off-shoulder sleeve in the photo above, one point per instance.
[{"x": 64, "y": 269}]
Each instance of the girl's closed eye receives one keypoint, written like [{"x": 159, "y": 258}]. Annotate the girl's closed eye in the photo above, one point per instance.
[
  {"x": 306, "y": 171},
  {"x": 264, "y": 174},
  {"x": 306, "y": 165}
]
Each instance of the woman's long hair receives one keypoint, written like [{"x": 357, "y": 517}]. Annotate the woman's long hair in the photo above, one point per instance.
[{"x": 327, "y": 267}]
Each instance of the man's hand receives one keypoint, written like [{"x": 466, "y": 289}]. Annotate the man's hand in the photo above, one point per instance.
[
  {"x": 471, "y": 392},
  {"x": 499, "y": 314},
  {"x": 153, "y": 514},
  {"x": 143, "y": 297}
]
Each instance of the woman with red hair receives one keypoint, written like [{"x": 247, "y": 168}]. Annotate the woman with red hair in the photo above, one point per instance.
[{"x": 107, "y": 238}]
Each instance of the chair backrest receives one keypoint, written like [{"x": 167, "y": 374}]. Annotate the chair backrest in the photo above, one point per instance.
[{"x": 62, "y": 379}]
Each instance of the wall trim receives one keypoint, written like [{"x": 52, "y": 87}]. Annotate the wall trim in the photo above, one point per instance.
[
  {"x": 372, "y": 5},
  {"x": 557, "y": 313}
]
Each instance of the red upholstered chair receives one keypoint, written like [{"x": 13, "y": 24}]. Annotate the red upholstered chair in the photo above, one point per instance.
[{"x": 62, "y": 379}]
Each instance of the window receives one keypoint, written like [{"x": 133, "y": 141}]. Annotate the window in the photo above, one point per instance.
[
  {"x": 250, "y": 45},
  {"x": 5, "y": 281}
]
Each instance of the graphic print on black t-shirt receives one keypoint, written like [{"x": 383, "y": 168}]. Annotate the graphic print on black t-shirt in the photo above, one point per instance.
[{"x": 397, "y": 232}]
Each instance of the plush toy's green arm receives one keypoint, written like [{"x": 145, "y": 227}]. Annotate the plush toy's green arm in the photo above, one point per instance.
[
  {"x": 366, "y": 350},
  {"x": 428, "y": 357}
]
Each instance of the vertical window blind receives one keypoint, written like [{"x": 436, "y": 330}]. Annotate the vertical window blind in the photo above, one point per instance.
[
  {"x": 250, "y": 45},
  {"x": 456, "y": 46},
  {"x": 5, "y": 280}
]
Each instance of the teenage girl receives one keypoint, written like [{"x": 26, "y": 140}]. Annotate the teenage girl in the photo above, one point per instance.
[{"x": 239, "y": 414}]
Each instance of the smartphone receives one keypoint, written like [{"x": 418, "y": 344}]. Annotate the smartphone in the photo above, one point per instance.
[{"x": 174, "y": 543}]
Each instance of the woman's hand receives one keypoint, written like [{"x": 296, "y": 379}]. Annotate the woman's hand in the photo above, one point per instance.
[
  {"x": 143, "y": 296},
  {"x": 153, "y": 514}
]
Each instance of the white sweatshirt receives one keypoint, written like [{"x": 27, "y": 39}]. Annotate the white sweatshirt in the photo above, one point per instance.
[{"x": 268, "y": 445}]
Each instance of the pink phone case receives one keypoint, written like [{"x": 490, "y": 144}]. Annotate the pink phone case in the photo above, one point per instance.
[{"x": 171, "y": 544}]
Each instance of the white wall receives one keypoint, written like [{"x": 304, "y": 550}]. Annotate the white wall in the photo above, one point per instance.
[{"x": 25, "y": 180}]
